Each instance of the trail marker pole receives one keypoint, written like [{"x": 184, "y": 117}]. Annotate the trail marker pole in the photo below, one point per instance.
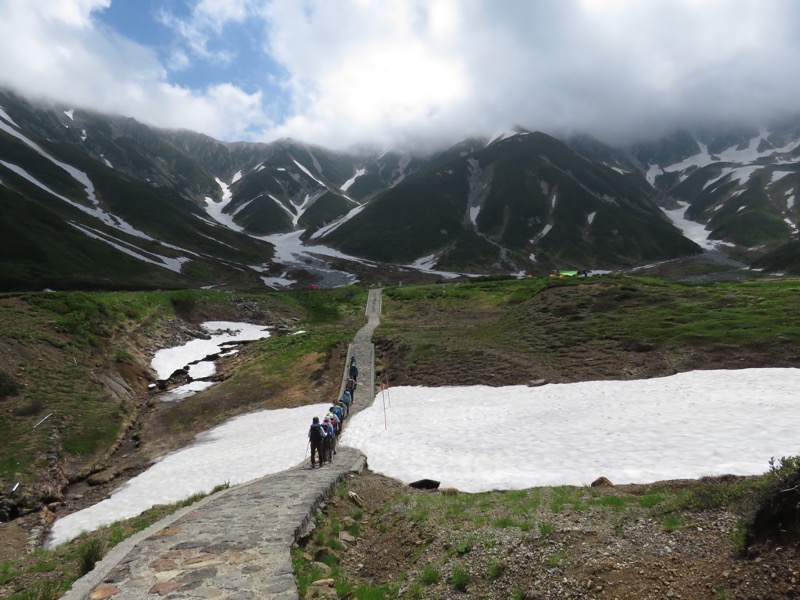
[{"x": 383, "y": 397}]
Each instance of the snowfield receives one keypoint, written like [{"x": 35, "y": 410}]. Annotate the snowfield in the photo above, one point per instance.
[{"x": 480, "y": 438}]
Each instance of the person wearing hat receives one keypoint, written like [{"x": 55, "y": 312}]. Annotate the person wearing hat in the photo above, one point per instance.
[
  {"x": 316, "y": 435},
  {"x": 329, "y": 443},
  {"x": 338, "y": 412},
  {"x": 337, "y": 425}
]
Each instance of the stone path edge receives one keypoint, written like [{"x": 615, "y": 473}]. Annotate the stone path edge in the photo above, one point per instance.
[{"x": 82, "y": 587}]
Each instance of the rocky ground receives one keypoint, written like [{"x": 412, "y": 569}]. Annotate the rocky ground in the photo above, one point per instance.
[{"x": 596, "y": 547}]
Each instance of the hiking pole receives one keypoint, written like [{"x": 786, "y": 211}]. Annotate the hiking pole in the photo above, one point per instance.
[{"x": 308, "y": 445}]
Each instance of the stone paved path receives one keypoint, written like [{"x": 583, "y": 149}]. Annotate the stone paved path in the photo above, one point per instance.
[{"x": 236, "y": 544}]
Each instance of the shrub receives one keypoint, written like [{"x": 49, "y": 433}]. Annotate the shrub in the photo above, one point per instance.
[
  {"x": 459, "y": 579},
  {"x": 430, "y": 575},
  {"x": 45, "y": 590},
  {"x": 90, "y": 553},
  {"x": 777, "y": 518},
  {"x": 671, "y": 523},
  {"x": 495, "y": 569}
]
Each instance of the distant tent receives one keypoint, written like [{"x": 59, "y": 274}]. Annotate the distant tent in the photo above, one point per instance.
[{"x": 567, "y": 273}]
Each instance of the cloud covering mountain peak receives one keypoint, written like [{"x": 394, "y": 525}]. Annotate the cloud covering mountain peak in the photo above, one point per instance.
[{"x": 412, "y": 73}]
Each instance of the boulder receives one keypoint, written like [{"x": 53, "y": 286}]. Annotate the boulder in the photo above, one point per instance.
[
  {"x": 425, "y": 484},
  {"x": 602, "y": 482}
]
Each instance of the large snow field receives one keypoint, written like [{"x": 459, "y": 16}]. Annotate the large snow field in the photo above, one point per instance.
[{"x": 481, "y": 438}]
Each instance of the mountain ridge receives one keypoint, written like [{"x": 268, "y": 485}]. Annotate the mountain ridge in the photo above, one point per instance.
[{"x": 198, "y": 211}]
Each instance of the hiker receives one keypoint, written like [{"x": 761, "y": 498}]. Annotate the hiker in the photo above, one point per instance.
[
  {"x": 346, "y": 400},
  {"x": 353, "y": 368},
  {"x": 350, "y": 386},
  {"x": 335, "y": 410},
  {"x": 337, "y": 425},
  {"x": 316, "y": 435},
  {"x": 329, "y": 443}
]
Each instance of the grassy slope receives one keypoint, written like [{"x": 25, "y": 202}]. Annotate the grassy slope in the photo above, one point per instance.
[
  {"x": 61, "y": 343},
  {"x": 58, "y": 346},
  {"x": 571, "y": 329}
]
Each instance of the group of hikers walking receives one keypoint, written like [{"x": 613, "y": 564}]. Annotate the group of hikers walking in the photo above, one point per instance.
[{"x": 322, "y": 435}]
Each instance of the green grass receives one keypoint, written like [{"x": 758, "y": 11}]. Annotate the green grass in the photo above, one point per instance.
[
  {"x": 495, "y": 569},
  {"x": 90, "y": 552},
  {"x": 430, "y": 575},
  {"x": 672, "y": 522},
  {"x": 556, "y": 559},
  {"x": 456, "y": 526},
  {"x": 77, "y": 332},
  {"x": 522, "y": 327},
  {"x": 459, "y": 579},
  {"x": 545, "y": 529}
]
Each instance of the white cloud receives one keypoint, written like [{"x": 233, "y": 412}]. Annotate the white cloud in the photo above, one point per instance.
[
  {"x": 338, "y": 72},
  {"x": 614, "y": 69},
  {"x": 59, "y": 51}
]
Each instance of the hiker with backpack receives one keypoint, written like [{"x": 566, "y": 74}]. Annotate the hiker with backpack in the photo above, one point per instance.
[
  {"x": 337, "y": 426},
  {"x": 316, "y": 436},
  {"x": 350, "y": 386},
  {"x": 346, "y": 400},
  {"x": 329, "y": 443},
  {"x": 345, "y": 410},
  {"x": 353, "y": 368},
  {"x": 335, "y": 410}
]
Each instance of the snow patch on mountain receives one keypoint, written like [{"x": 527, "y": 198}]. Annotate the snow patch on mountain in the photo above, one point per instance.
[
  {"x": 346, "y": 185},
  {"x": 691, "y": 229},
  {"x": 503, "y": 135},
  {"x": 70, "y": 113},
  {"x": 99, "y": 214},
  {"x": 307, "y": 172},
  {"x": 5, "y": 117},
  {"x": 173, "y": 264},
  {"x": 778, "y": 175},
  {"x": 328, "y": 228},
  {"x": 653, "y": 171},
  {"x": 216, "y": 209},
  {"x": 478, "y": 190},
  {"x": 400, "y": 172},
  {"x": 76, "y": 174},
  {"x": 427, "y": 264},
  {"x": 744, "y": 157}
]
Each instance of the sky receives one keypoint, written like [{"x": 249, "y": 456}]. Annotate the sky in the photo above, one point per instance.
[
  {"x": 408, "y": 73},
  {"x": 481, "y": 438}
]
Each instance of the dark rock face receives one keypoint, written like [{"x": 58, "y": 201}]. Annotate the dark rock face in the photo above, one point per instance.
[{"x": 425, "y": 484}]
